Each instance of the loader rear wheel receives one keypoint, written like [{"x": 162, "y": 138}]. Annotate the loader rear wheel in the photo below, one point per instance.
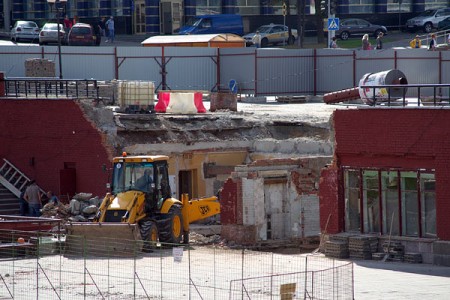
[
  {"x": 149, "y": 234},
  {"x": 171, "y": 230}
]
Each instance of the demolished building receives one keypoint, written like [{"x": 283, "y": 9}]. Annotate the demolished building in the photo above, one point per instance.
[{"x": 71, "y": 142}]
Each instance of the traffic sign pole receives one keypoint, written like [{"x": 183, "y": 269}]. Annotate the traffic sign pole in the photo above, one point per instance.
[
  {"x": 329, "y": 33},
  {"x": 284, "y": 23}
]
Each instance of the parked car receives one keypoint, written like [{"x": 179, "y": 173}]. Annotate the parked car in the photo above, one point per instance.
[
  {"x": 25, "y": 30},
  {"x": 49, "y": 34},
  {"x": 81, "y": 34},
  {"x": 358, "y": 27},
  {"x": 444, "y": 24},
  {"x": 272, "y": 34},
  {"x": 428, "y": 20}
]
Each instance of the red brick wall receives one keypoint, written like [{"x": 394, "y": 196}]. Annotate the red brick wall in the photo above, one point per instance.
[
  {"x": 230, "y": 200},
  {"x": 331, "y": 209},
  {"x": 400, "y": 138},
  {"x": 53, "y": 132}
]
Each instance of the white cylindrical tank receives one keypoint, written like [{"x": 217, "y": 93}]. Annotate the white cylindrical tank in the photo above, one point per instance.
[{"x": 389, "y": 77}]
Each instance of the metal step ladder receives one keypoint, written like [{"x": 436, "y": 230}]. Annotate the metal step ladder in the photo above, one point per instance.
[{"x": 13, "y": 179}]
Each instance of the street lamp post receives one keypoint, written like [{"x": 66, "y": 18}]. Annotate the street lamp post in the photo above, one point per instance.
[{"x": 59, "y": 4}]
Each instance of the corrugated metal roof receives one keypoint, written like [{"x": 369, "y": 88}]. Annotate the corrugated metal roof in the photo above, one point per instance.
[{"x": 194, "y": 38}]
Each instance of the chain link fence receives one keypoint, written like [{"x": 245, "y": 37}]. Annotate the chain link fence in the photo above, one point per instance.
[{"x": 39, "y": 267}]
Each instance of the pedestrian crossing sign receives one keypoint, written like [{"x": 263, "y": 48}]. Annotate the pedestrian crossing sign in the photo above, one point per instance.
[{"x": 333, "y": 23}]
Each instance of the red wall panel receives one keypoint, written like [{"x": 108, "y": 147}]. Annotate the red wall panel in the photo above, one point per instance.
[
  {"x": 39, "y": 136},
  {"x": 331, "y": 213},
  {"x": 229, "y": 203}
]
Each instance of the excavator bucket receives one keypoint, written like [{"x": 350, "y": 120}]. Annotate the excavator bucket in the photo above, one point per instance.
[{"x": 102, "y": 239}]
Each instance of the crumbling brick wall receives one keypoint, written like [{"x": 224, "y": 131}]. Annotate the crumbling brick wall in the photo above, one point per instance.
[{"x": 268, "y": 199}]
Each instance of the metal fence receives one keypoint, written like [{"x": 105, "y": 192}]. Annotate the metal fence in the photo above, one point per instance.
[
  {"x": 265, "y": 72},
  {"x": 45, "y": 270}
]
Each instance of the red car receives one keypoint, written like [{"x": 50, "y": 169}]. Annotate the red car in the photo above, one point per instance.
[{"x": 81, "y": 34}]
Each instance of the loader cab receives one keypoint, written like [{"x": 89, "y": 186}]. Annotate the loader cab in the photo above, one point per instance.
[{"x": 146, "y": 174}]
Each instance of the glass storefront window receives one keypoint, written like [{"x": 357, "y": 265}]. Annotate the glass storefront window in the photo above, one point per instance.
[
  {"x": 433, "y": 4},
  {"x": 408, "y": 202},
  {"x": 352, "y": 201},
  {"x": 389, "y": 196},
  {"x": 361, "y": 6},
  {"x": 371, "y": 202},
  {"x": 248, "y": 7},
  {"x": 208, "y": 7},
  {"x": 410, "y": 208},
  {"x": 394, "y": 6},
  {"x": 428, "y": 207}
]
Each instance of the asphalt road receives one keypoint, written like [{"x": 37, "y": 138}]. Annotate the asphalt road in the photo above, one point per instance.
[{"x": 400, "y": 39}]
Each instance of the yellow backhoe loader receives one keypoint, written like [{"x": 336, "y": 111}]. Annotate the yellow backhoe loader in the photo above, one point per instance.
[{"x": 140, "y": 208}]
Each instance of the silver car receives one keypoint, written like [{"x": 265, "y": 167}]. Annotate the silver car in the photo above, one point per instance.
[
  {"x": 25, "y": 30},
  {"x": 272, "y": 34},
  {"x": 49, "y": 34},
  {"x": 428, "y": 20}
]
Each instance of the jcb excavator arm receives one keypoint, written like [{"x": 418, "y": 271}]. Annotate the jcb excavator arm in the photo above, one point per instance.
[{"x": 198, "y": 209}]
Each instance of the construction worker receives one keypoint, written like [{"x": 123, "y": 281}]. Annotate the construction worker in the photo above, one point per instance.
[{"x": 416, "y": 43}]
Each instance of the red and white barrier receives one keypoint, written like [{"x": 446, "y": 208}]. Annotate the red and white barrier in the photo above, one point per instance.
[{"x": 180, "y": 102}]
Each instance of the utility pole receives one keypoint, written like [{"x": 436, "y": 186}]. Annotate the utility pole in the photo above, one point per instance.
[
  {"x": 59, "y": 9},
  {"x": 332, "y": 7}
]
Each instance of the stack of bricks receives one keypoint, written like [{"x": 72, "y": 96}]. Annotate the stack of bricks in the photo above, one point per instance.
[
  {"x": 39, "y": 67},
  {"x": 415, "y": 258},
  {"x": 337, "y": 246},
  {"x": 362, "y": 247},
  {"x": 336, "y": 249},
  {"x": 395, "y": 250}
]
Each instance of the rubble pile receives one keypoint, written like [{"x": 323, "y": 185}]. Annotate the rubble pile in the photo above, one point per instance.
[
  {"x": 80, "y": 209},
  {"x": 199, "y": 239}
]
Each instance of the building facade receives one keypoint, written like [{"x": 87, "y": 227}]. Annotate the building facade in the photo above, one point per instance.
[
  {"x": 389, "y": 177},
  {"x": 152, "y": 16}
]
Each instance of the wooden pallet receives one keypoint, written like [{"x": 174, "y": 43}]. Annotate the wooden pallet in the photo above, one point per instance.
[{"x": 291, "y": 99}]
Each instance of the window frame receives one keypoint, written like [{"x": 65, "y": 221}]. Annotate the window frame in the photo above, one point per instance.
[{"x": 423, "y": 211}]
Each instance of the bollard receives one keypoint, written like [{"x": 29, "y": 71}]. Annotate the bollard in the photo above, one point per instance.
[{"x": 2, "y": 84}]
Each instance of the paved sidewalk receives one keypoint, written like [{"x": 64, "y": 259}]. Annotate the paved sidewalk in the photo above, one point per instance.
[{"x": 375, "y": 280}]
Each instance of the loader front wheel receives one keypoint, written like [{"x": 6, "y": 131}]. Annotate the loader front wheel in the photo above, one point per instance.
[
  {"x": 149, "y": 234},
  {"x": 171, "y": 230}
]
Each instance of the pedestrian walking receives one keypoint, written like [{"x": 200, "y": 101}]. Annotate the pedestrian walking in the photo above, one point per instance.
[
  {"x": 380, "y": 41},
  {"x": 416, "y": 42},
  {"x": 365, "y": 42},
  {"x": 33, "y": 197},
  {"x": 98, "y": 30},
  {"x": 333, "y": 43},
  {"x": 257, "y": 39},
  {"x": 433, "y": 43},
  {"x": 67, "y": 24},
  {"x": 110, "y": 25}
]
